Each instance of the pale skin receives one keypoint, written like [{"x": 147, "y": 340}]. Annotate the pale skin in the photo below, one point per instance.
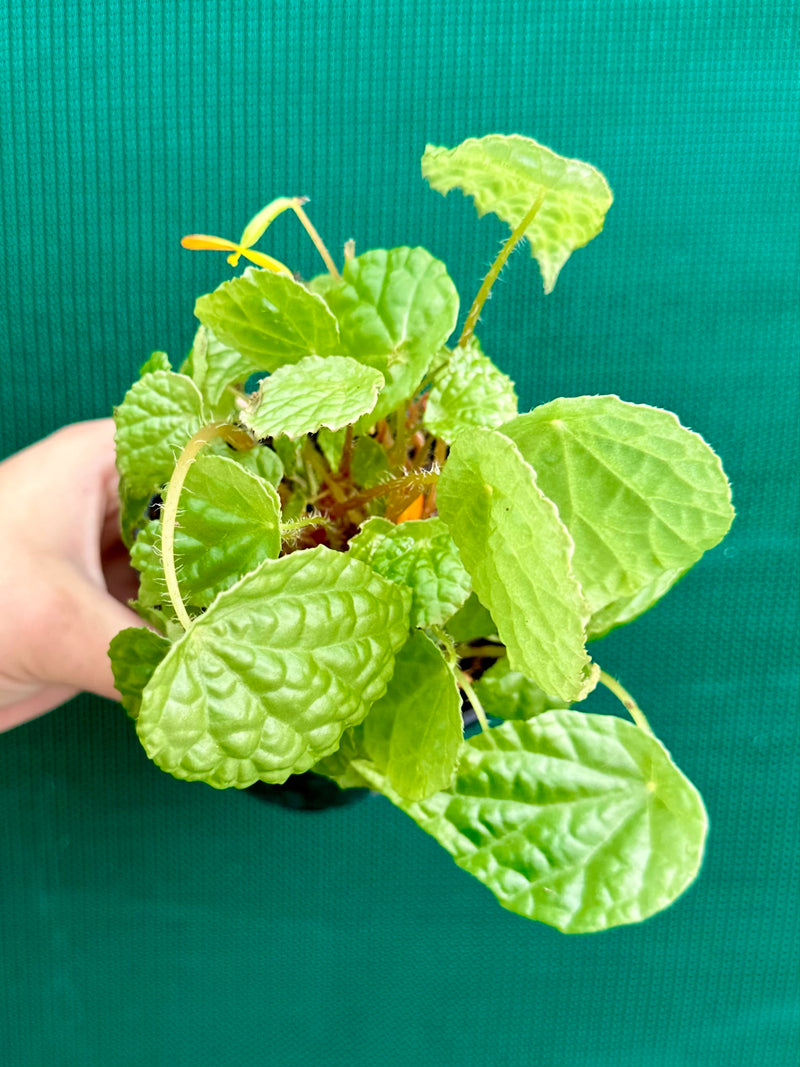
[{"x": 65, "y": 576}]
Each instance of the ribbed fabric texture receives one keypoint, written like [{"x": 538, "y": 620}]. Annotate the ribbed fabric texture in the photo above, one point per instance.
[{"x": 144, "y": 921}]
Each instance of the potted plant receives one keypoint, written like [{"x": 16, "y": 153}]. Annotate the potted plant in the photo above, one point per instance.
[{"x": 335, "y": 561}]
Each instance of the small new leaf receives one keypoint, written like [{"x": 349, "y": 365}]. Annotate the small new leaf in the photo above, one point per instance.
[
  {"x": 471, "y": 391},
  {"x": 419, "y": 555}
]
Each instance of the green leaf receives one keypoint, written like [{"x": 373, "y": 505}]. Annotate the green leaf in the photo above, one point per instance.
[
  {"x": 642, "y": 496},
  {"x": 228, "y": 522},
  {"x": 395, "y": 311},
  {"x": 270, "y": 319},
  {"x": 331, "y": 445},
  {"x": 135, "y": 653},
  {"x": 159, "y": 414},
  {"x": 518, "y": 554},
  {"x": 213, "y": 366},
  {"x": 413, "y": 733},
  {"x": 156, "y": 361},
  {"x": 472, "y": 391},
  {"x": 342, "y": 765},
  {"x": 471, "y": 621},
  {"x": 507, "y": 694},
  {"x": 579, "y": 821},
  {"x": 315, "y": 392},
  {"x": 260, "y": 460},
  {"x": 421, "y": 556},
  {"x": 506, "y": 174},
  {"x": 265, "y": 682},
  {"x": 146, "y": 559},
  {"x": 133, "y": 511},
  {"x": 369, "y": 464}
]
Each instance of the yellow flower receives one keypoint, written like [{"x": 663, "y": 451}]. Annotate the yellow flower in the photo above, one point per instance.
[{"x": 252, "y": 232}]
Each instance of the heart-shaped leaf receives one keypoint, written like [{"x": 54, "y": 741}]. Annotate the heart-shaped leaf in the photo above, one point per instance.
[
  {"x": 642, "y": 496},
  {"x": 264, "y": 683},
  {"x": 580, "y": 821}
]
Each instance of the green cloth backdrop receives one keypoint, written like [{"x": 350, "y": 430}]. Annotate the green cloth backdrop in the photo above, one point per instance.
[{"x": 144, "y": 921}]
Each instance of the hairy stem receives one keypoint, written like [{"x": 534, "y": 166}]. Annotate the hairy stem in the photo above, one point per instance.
[
  {"x": 483, "y": 293},
  {"x": 416, "y": 479},
  {"x": 627, "y": 701},
  {"x": 169, "y": 513}
]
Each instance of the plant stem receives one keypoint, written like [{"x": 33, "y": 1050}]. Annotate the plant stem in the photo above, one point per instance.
[
  {"x": 627, "y": 702},
  {"x": 169, "y": 514},
  {"x": 494, "y": 271},
  {"x": 347, "y": 452},
  {"x": 315, "y": 237},
  {"x": 412, "y": 480},
  {"x": 476, "y": 705}
]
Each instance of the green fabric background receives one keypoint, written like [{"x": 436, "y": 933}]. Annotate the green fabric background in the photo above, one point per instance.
[{"x": 147, "y": 921}]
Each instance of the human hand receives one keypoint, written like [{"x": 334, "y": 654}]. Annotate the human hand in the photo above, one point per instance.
[{"x": 64, "y": 573}]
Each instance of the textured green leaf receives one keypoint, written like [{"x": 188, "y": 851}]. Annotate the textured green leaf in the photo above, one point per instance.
[
  {"x": 265, "y": 682},
  {"x": 413, "y": 733},
  {"x": 342, "y": 765},
  {"x": 420, "y": 555},
  {"x": 642, "y": 496},
  {"x": 154, "y": 422},
  {"x": 269, "y": 319},
  {"x": 472, "y": 391},
  {"x": 395, "y": 311},
  {"x": 133, "y": 511},
  {"x": 228, "y": 522},
  {"x": 156, "y": 361},
  {"x": 579, "y": 821},
  {"x": 507, "y": 694},
  {"x": 135, "y": 653},
  {"x": 146, "y": 559},
  {"x": 506, "y": 175},
  {"x": 518, "y": 554},
  {"x": 301, "y": 398}
]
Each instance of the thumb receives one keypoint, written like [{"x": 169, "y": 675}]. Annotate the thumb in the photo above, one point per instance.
[{"x": 80, "y": 626}]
